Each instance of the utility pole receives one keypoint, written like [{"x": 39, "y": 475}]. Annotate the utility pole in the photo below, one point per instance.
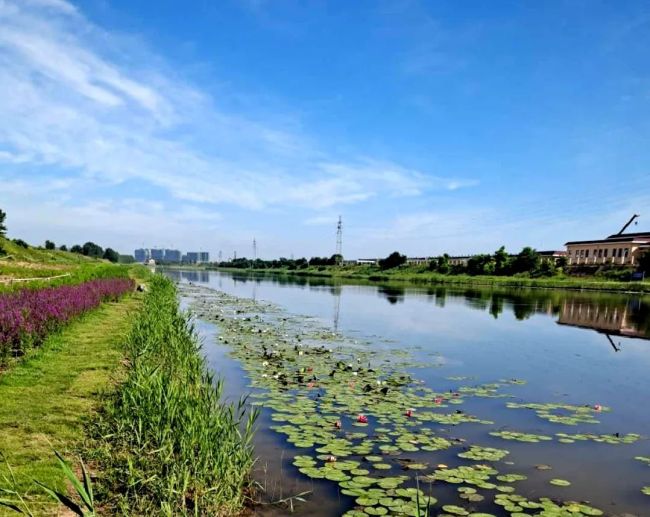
[{"x": 339, "y": 239}]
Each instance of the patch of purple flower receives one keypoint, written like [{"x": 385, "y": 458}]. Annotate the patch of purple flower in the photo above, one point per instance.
[{"x": 27, "y": 316}]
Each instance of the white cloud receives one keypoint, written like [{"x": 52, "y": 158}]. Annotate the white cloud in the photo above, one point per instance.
[{"x": 78, "y": 98}]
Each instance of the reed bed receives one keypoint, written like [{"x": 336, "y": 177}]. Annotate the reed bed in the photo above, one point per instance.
[
  {"x": 165, "y": 442},
  {"x": 29, "y": 315}
]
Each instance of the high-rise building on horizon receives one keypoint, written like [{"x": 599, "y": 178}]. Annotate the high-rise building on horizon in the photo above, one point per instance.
[
  {"x": 142, "y": 255},
  {"x": 158, "y": 254},
  {"x": 172, "y": 255}
]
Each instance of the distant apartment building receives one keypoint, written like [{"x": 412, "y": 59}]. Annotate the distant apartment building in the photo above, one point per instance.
[
  {"x": 204, "y": 257},
  {"x": 141, "y": 255},
  {"x": 623, "y": 249},
  {"x": 191, "y": 257},
  {"x": 172, "y": 255},
  {"x": 158, "y": 255}
]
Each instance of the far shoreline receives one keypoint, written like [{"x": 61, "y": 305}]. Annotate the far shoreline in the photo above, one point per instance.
[{"x": 406, "y": 276}]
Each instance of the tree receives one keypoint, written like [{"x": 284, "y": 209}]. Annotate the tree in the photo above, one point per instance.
[
  {"x": 49, "y": 245},
  {"x": 526, "y": 261},
  {"x": 395, "y": 259},
  {"x": 90, "y": 249},
  {"x": 63, "y": 247},
  {"x": 440, "y": 264},
  {"x": 481, "y": 265},
  {"x": 111, "y": 254},
  {"x": 3, "y": 227},
  {"x": 644, "y": 262},
  {"x": 77, "y": 249},
  {"x": 501, "y": 261},
  {"x": 21, "y": 243}
]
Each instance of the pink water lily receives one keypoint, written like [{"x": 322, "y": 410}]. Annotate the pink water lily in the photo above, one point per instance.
[
  {"x": 598, "y": 407},
  {"x": 338, "y": 424},
  {"x": 409, "y": 413},
  {"x": 438, "y": 400},
  {"x": 362, "y": 419}
]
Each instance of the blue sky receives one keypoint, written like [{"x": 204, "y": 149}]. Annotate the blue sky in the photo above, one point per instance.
[{"x": 429, "y": 126}]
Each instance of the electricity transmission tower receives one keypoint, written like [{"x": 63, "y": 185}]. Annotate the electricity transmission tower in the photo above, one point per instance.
[
  {"x": 254, "y": 249},
  {"x": 339, "y": 239}
]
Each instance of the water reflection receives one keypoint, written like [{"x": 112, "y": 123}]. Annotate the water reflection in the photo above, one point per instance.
[{"x": 607, "y": 313}]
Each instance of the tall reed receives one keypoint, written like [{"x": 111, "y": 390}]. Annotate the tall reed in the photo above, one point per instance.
[{"x": 167, "y": 442}]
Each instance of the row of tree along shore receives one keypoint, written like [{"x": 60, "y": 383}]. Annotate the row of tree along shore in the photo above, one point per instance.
[{"x": 526, "y": 269}]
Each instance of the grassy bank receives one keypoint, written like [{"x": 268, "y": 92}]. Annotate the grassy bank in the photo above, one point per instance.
[
  {"x": 421, "y": 276},
  {"x": 165, "y": 442},
  {"x": 46, "y": 399}
]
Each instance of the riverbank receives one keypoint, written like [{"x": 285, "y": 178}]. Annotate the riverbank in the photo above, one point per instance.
[{"x": 418, "y": 276}]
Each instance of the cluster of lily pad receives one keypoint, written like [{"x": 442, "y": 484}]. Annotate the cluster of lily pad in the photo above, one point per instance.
[
  {"x": 358, "y": 420},
  {"x": 567, "y": 414}
]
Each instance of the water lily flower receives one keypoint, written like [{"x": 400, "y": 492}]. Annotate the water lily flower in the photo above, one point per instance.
[
  {"x": 409, "y": 413},
  {"x": 338, "y": 424},
  {"x": 300, "y": 352},
  {"x": 310, "y": 384},
  {"x": 362, "y": 419},
  {"x": 331, "y": 459},
  {"x": 598, "y": 407},
  {"x": 354, "y": 373},
  {"x": 310, "y": 369},
  {"x": 438, "y": 400}
]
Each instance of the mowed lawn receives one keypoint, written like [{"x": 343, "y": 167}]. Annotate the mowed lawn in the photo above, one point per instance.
[{"x": 46, "y": 398}]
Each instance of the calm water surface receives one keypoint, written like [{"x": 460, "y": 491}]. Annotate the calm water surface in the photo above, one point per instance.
[{"x": 570, "y": 347}]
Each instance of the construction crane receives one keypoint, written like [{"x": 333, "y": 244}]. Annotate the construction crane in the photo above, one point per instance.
[{"x": 628, "y": 224}]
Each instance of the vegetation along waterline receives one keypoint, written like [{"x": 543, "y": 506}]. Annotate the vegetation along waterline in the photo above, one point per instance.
[{"x": 165, "y": 441}]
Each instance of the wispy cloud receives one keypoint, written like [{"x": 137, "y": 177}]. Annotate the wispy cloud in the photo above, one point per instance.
[{"x": 74, "y": 97}]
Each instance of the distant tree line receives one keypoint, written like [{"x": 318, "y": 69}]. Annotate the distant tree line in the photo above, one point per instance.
[{"x": 281, "y": 263}]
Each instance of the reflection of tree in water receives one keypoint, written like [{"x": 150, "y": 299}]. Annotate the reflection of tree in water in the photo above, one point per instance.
[{"x": 393, "y": 294}]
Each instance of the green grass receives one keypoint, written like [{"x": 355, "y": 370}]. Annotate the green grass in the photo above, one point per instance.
[
  {"x": 420, "y": 275},
  {"x": 166, "y": 443},
  {"x": 47, "y": 398}
]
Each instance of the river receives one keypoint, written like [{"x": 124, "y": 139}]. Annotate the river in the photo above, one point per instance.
[{"x": 580, "y": 349}]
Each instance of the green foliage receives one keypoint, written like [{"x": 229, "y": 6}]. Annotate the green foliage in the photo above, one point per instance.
[
  {"x": 83, "y": 489},
  {"x": 501, "y": 261},
  {"x": 63, "y": 247},
  {"x": 49, "y": 245},
  {"x": 481, "y": 265},
  {"x": 77, "y": 249},
  {"x": 440, "y": 264},
  {"x": 166, "y": 441},
  {"x": 644, "y": 262},
  {"x": 21, "y": 243},
  {"x": 126, "y": 259},
  {"x": 111, "y": 255},
  {"x": 526, "y": 261},
  {"x": 3, "y": 227},
  {"x": 90, "y": 249},
  {"x": 395, "y": 259}
]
